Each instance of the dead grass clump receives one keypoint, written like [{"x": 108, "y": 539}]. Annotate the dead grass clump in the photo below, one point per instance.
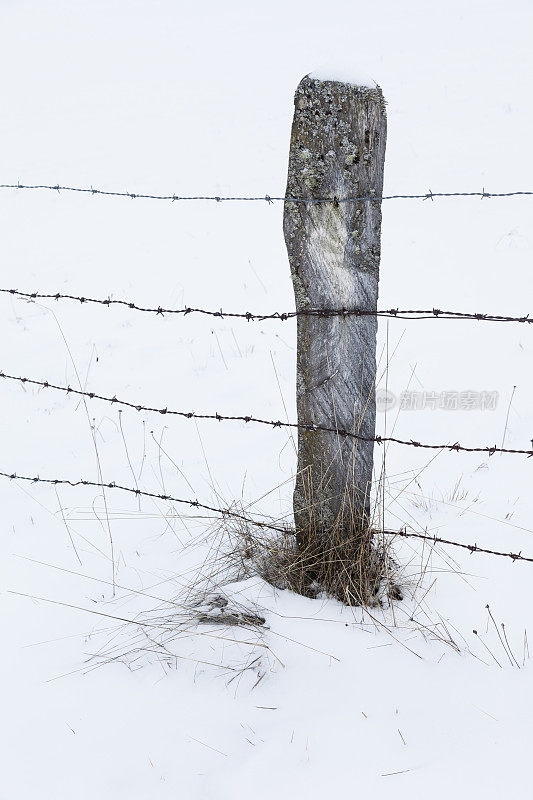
[{"x": 357, "y": 569}]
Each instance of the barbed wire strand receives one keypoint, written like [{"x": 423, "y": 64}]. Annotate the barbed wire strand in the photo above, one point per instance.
[
  {"x": 434, "y": 313},
  {"x": 429, "y": 195},
  {"x": 228, "y": 512},
  {"x": 456, "y": 447}
]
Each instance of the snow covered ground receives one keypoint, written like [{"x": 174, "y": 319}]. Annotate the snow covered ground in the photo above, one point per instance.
[{"x": 176, "y": 97}]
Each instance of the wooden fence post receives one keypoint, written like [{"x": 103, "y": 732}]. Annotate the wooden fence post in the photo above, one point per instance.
[{"x": 337, "y": 150}]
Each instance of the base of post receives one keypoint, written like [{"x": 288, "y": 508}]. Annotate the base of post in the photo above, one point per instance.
[{"x": 347, "y": 565}]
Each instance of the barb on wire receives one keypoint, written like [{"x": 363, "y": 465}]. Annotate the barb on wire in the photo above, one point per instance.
[
  {"x": 456, "y": 447},
  {"x": 473, "y": 548},
  {"x": 432, "y": 313},
  {"x": 228, "y": 512},
  {"x": 223, "y": 512},
  {"x": 266, "y": 198}
]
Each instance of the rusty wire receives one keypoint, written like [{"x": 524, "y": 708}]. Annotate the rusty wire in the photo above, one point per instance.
[
  {"x": 473, "y": 548},
  {"x": 456, "y": 447},
  {"x": 228, "y": 512},
  {"x": 402, "y": 314},
  {"x": 223, "y": 512},
  {"x": 429, "y": 195},
  {"x": 433, "y": 313}
]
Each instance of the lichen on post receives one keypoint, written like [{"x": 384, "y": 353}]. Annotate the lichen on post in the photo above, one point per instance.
[{"x": 337, "y": 150}]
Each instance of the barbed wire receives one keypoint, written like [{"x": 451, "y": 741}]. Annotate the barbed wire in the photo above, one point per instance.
[
  {"x": 456, "y": 447},
  {"x": 429, "y": 195},
  {"x": 434, "y": 313},
  {"x": 473, "y": 548},
  {"x": 223, "y": 512},
  {"x": 402, "y": 314},
  {"x": 228, "y": 512}
]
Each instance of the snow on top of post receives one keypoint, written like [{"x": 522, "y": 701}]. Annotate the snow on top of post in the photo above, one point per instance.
[{"x": 342, "y": 75}]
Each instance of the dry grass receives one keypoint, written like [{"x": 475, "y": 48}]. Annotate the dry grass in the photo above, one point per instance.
[
  {"x": 457, "y": 494},
  {"x": 356, "y": 568}
]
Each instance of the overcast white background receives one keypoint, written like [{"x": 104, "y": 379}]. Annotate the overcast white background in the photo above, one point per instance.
[{"x": 189, "y": 98}]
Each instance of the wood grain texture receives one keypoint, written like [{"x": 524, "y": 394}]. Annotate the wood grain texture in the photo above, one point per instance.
[{"x": 337, "y": 149}]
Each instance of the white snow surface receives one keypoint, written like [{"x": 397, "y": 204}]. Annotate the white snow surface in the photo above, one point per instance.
[
  {"x": 166, "y": 98},
  {"x": 342, "y": 74}
]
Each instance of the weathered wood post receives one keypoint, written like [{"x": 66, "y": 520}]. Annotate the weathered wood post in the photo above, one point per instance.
[{"x": 337, "y": 150}]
